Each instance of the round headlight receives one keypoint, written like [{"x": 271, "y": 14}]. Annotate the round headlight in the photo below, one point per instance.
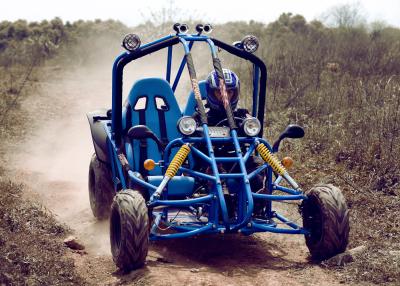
[
  {"x": 131, "y": 42},
  {"x": 207, "y": 28},
  {"x": 184, "y": 28},
  {"x": 187, "y": 125},
  {"x": 181, "y": 28},
  {"x": 251, "y": 126},
  {"x": 250, "y": 43}
]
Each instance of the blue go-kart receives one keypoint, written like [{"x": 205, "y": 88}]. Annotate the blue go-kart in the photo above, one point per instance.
[{"x": 157, "y": 175}]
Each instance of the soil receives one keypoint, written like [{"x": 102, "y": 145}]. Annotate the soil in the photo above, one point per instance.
[{"x": 54, "y": 163}]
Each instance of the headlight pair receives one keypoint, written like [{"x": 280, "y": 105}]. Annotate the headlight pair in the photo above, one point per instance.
[{"x": 251, "y": 126}]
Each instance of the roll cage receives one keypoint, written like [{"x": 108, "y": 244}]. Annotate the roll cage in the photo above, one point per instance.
[
  {"x": 218, "y": 220},
  {"x": 259, "y": 74}
]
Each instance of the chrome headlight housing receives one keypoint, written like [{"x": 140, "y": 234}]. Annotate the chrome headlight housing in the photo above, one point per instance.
[
  {"x": 251, "y": 126},
  {"x": 250, "y": 43},
  {"x": 187, "y": 125},
  {"x": 131, "y": 42}
]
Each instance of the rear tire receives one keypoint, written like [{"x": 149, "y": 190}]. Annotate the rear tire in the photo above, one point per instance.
[
  {"x": 101, "y": 189},
  {"x": 326, "y": 216},
  {"x": 129, "y": 230}
]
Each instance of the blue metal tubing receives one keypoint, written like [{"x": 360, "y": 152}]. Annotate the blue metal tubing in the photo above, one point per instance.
[
  {"x": 154, "y": 236},
  {"x": 262, "y": 140},
  {"x": 197, "y": 174},
  {"x": 113, "y": 168},
  {"x": 286, "y": 190},
  {"x": 212, "y": 47},
  {"x": 201, "y": 154},
  {"x": 218, "y": 185},
  {"x": 256, "y": 78},
  {"x": 234, "y": 176},
  {"x": 269, "y": 190},
  {"x": 287, "y": 222},
  {"x": 180, "y": 70},
  {"x": 249, "y": 151},
  {"x": 116, "y": 166},
  {"x": 257, "y": 226},
  {"x": 167, "y": 41},
  {"x": 243, "y": 175},
  {"x": 278, "y": 197},
  {"x": 227, "y": 159},
  {"x": 156, "y": 222},
  {"x": 188, "y": 48},
  {"x": 215, "y": 139},
  {"x": 171, "y": 144},
  {"x": 181, "y": 203},
  {"x": 257, "y": 171},
  {"x": 156, "y": 42},
  {"x": 141, "y": 182},
  {"x": 194, "y": 38},
  {"x": 248, "y": 193},
  {"x": 183, "y": 228}
]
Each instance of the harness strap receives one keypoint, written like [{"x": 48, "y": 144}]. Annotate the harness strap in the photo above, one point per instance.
[
  {"x": 163, "y": 126},
  {"x": 128, "y": 119},
  {"x": 143, "y": 144}
]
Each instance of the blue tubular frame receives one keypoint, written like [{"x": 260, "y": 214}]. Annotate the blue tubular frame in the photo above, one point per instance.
[{"x": 214, "y": 201}]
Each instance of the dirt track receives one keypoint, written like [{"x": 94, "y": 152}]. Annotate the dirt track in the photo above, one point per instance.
[{"x": 56, "y": 162}]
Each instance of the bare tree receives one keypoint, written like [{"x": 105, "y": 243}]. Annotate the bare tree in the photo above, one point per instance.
[{"x": 345, "y": 16}]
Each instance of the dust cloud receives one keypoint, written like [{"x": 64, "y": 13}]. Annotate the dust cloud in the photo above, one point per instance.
[{"x": 54, "y": 162}]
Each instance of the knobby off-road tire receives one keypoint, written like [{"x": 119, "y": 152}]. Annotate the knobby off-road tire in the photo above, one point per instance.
[
  {"x": 129, "y": 230},
  {"x": 326, "y": 216},
  {"x": 101, "y": 189}
]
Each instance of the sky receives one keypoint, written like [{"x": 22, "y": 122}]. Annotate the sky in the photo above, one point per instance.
[{"x": 133, "y": 12}]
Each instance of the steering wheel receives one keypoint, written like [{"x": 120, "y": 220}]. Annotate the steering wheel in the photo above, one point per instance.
[{"x": 224, "y": 122}]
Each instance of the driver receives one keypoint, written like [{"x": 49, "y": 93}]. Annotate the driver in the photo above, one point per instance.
[
  {"x": 217, "y": 114},
  {"x": 214, "y": 98}
]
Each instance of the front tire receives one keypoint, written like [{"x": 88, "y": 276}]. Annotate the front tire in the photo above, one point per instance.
[
  {"x": 129, "y": 230},
  {"x": 326, "y": 216},
  {"x": 101, "y": 189}
]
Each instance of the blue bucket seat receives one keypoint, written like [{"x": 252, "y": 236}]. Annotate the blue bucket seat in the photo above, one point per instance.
[{"x": 151, "y": 102}]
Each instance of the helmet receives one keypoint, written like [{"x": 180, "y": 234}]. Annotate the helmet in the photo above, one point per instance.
[{"x": 232, "y": 84}]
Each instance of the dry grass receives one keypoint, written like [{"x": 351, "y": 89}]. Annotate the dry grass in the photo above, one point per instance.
[{"x": 32, "y": 252}]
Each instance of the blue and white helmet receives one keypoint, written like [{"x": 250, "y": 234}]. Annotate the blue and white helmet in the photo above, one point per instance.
[{"x": 232, "y": 83}]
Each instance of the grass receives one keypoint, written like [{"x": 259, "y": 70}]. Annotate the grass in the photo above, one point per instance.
[{"x": 32, "y": 252}]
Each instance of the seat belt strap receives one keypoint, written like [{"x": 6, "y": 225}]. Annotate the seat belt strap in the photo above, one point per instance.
[
  {"x": 163, "y": 127},
  {"x": 143, "y": 145}
]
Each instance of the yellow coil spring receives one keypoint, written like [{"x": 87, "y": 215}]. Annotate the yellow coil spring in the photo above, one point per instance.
[
  {"x": 270, "y": 159},
  {"x": 178, "y": 160}
]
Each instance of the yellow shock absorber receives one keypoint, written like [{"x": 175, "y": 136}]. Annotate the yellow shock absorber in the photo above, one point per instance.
[
  {"x": 270, "y": 159},
  {"x": 178, "y": 160},
  {"x": 173, "y": 167}
]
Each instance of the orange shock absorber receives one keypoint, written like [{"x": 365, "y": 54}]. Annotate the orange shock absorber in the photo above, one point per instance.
[
  {"x": 275, "y": 164},
  {"x": 173, "y": 167}
]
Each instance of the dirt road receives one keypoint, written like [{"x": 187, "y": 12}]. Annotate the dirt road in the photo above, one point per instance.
[{"x": 55, "y": 161}]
